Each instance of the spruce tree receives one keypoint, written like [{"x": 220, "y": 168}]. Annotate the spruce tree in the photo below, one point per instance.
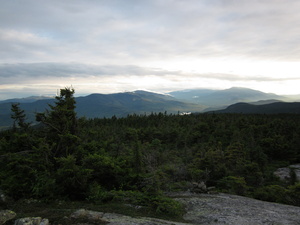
[
  {"x": 61, "y": 123},
  {"x": 19, "y": 117}
]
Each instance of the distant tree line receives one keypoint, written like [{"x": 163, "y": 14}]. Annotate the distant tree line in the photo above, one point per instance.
[{"x": 138, "y": 158}]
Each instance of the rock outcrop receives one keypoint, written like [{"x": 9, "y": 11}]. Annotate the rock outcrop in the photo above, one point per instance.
[
  {"x": 284, "y": 173},
  {"x": 89, "y": 216},
  {"x": 199, "y": 187},
  {"x": 32, "y": 221},
  {"x": 236, "y": 210},
  {"x": 214, "y": 209},
  {"x": 6, "y": 215},
  {"x": 93, "y": 217}
]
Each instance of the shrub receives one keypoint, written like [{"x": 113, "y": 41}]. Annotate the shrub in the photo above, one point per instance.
[
  {"x": 162, "y": 204},
  {"x": 234, "y": 185},
  {"x": 159, "y": 203},
  {"x": 272, "y": 193},
  {"x": 294, "y": 194}
]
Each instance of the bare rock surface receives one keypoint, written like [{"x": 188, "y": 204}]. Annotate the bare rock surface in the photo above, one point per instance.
[
  {"x": 93, "y": 217},
  {"x": 6, "y": 215},
  {"x": 284, "y": 173},
  {"x": 208, "y": 209},
  {"x": 32, "y": 221},
  {"x": 236, "y": 210},
  {"x": 211, "y": 209},
  {"x": 117, "y": 219}
]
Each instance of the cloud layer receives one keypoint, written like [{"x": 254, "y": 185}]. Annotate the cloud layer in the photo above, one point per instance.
[{"x": 163, "y": 40}]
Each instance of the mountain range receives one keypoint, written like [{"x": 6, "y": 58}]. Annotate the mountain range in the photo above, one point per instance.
[
  {"x": 105, "y": 105},
  {"x": 221, "y": 98},
  {"x": 271, "y": 108},
  {"x": 233, "y": 100}
]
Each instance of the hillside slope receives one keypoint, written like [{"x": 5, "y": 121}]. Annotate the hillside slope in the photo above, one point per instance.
[
  {"x": 221, "y": 98},
  {"x": 272, "y": 108},
  {"x": 107, "y": 105}
]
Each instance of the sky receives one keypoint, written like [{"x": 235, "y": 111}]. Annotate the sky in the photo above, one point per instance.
[{"x": 109, "y": 46}]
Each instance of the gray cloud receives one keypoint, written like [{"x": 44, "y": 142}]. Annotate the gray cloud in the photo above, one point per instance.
[
  {"x": 78, "y": 30},
  {"x": 235, "y": 77},
  {"x": 98, "y": 38},
  {"x": 24, "y": 73}
]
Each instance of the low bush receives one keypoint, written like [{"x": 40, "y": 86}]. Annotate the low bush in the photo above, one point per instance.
[{"x": 159, "y": 203}]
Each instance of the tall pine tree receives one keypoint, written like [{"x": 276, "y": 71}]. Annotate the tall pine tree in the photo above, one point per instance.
[
  {"x": 61, "y": 123},
  {"x": 19, "y": 117}
]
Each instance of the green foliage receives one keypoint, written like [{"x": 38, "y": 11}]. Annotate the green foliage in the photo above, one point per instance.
[
  {"x": 235, "y": 156},
  {"x": 44, "y": 187},
  {"x": 96, "y": 193},
  {"x": 234, "y": 185},
  {"x": 272, "y": 193},
  {"x": 163, "y": 204},
  {"x": 19, "y": 117},
  {"x": 212, "y": 165},
  {"x": 159, "y": 203},
  {"x": 61, "y": 123},
  {"x": 17, "y": 174},
  {"x": 71, "y": 178},
  {"x": 294, "y": 194},
  {"x": 62, "y": 116},
  {"x": 135, "y": 159},
  {"x": 252, "y": 174},
  {"x": 104, "y": 169}
]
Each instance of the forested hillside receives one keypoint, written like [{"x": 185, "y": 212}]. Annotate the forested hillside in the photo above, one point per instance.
[
  {"x": 137, "y": 158},
  {"x": 271, "y": 108},
  {"x": 104, "y": 105}
]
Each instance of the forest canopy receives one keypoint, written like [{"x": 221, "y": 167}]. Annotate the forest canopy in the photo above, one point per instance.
[{"x": 139, "y": 157}]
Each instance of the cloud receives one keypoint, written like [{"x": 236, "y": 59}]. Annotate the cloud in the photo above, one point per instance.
[
  {"x": 46, "y": 78},
  {"x": 142, "y": 30},
  {"x": 167, "y": 41},
  {"x": 26, "y": 72}
]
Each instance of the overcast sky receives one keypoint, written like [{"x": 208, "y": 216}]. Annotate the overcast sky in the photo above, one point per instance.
[{"x": 107, "y": 46}]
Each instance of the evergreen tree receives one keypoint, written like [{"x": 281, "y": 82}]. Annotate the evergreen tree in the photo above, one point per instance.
[
  {"x": 61, "y": 123},
  {"x": 19, "y": 117}
]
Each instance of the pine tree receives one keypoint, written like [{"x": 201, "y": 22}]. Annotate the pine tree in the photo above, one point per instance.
[
  {"x": 61, "y": 123},
  {"x": 19, "y": 117}
]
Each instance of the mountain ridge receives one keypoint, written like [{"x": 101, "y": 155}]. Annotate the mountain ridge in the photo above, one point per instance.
[
  {"x": 26, "y": 99},
  {"x": 221, "y": 98},
  {"x": 271, "y": 108},
  {"x": 107, "y": 105},
  {"x": 145, "y": 102}
]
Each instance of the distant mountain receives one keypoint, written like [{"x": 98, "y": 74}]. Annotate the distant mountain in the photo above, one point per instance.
[
  {"x": 260, "y": 102},
  {"x": 191, "y": 95},
  {"x": 26, "y": 100},
  {"x": 234, "y": 95},
  {"x": 108, "y": 105},
  {"x": 222, "y": 98},
  {"x": 138, "y": 102},
  {"x": 143, "y": 102},
  {"x": 264, "y": 102},
  {"x": 272, "y": 108},
  {"x": 30, "y": 109},
  {"x": 295, "y": 98}
]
